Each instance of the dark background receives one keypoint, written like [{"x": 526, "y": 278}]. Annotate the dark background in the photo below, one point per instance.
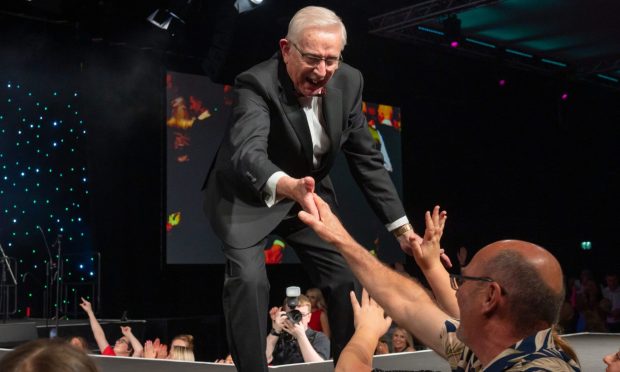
[{"x": 506, "y": 162}]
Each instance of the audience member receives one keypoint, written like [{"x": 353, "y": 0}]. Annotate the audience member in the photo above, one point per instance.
[
  {"x": 590, "y": 316},
  {"x": 80, "y": 343},
  {"x": 382, "y": 347},
  {"x": 47, "y": 355},
  {"x": 184, "y": 340},
  {"x": 293, "y": 342},
  {"x": 612, "y": 294},
  {"x": 128, "y": 345},
  {"x": 509, "y": 298},
  {"x": 613, "y": 362},
  {"x": 401, "y": 340},
  {"x": 318, "y": 320},
  {"x": 181, "y": 353}
]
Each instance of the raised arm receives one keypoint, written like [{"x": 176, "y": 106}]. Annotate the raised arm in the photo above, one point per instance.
[
  {"x": 135, "y": 344},
  {"x": 427, "y": 257},
  {"x": 405, "y": 300},
  {"x": 370, "y": 324},
  {"x": 98, "y": 333}
]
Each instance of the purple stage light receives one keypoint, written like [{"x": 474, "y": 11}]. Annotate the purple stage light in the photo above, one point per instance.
[
  {"x": 564, "y": 96},
  {"x": 454, "y": 44},
  {"x": 501, "y": 82}
]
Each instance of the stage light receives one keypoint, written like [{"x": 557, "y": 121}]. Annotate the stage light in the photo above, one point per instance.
[
  {"x": 247, "y": 5},
  {"x": 564, "y": 96},
  {"x": 452, "y": 30},
  {"x": 170, "y": 19}
]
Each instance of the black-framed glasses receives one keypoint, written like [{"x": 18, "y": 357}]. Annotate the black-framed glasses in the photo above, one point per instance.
[
  {"x": 314, "y": 60},
  {"x": 457, "y": 280}
]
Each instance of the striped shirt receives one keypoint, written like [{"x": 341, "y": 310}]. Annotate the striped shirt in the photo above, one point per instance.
[{"x": 534, "y": 353}]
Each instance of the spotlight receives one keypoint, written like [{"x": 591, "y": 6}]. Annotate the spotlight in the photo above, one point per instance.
[
  {"x": 171, "y": 18},
  {"x": 247, "y": 5},
  {"x": 564, "y": 96},
  {"x": 501, "y": 82},
  {"x": 452, "y": 30}
]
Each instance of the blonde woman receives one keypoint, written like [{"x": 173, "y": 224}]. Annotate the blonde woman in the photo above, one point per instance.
[
  {"x": 401, "y": 341},
  {"x": 318, "y": 320}
]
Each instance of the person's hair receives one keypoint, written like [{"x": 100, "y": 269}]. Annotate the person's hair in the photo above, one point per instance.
[
  {"x": 181, "y": 353},
  {"x": 82, "y": 341},
  {"x": 561, "y": 344},
  {"x": 188, "y": 339},
  {"x": 320, "y": 300},
  {"x": 49, "y": 355},
  {"x": 314, "y": 16},
  {"x": 302, "y": 300},
  {"x": 530, "y": 300},
  {"x": 408, "y": 337}
]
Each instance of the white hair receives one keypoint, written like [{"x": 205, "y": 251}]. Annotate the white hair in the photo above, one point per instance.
[{"x": 314, "y": 16}]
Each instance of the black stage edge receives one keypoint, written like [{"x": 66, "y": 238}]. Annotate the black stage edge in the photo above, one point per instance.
[{"x": 590, "y": 348}]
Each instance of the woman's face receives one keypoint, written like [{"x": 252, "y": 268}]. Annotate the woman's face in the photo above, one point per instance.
[
  {"x": 399, "y": 340},
  {"x": 613, "y": 362},
  {"x": 121, "y": 347}
]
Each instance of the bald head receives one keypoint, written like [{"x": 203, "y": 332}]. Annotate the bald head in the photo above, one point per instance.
[
  {"x": 544, "y": 263},
  {"x": 531, "y": 277}
]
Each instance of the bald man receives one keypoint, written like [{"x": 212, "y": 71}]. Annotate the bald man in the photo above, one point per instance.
[{"x": 509, "y": 296}]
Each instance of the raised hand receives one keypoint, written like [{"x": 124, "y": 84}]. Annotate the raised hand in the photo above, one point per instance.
[
  {"x": 149, "y": 350},
  {"x": 428, "y": 253},
  {"x": 369, "y": 316},
  {"x": 86, "y": 305}
]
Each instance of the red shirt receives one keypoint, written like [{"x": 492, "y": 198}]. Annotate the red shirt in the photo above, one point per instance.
[
  {"x": 109, "y": 351},
  {"x": 315, "y": 320}
]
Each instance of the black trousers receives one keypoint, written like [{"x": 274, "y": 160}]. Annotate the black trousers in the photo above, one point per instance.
[{"x": 246, "y": 292}]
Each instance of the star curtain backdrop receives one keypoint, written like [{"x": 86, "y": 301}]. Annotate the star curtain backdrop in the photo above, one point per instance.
[{"x": 44, "y": 194}]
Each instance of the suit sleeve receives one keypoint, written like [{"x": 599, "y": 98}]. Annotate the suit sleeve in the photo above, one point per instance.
[
  {"x": 249, "y": 132},
  {"x": 366, "y": 162}
]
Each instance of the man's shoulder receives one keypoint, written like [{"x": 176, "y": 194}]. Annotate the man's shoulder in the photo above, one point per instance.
[{"x": 542, "y": 361}]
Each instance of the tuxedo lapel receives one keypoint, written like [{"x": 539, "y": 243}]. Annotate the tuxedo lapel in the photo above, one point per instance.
[
  {"x": 295, "y": 114},
  {"x": 332, "y": 114}
]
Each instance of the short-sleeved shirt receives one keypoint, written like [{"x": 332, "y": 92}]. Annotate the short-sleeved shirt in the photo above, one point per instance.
[
  {"x": 287, "y": 349},
  {"x": 536, "y": 352},
  {"x": 109, "y": 351}
]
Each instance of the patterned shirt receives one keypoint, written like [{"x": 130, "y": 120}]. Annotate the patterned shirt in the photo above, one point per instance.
[{"x": 534, "y": 353}]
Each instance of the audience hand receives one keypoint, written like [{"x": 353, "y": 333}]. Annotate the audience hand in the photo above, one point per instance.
[
  {"x": 86, "y": 306},
  {"x": 162, "y": 351},
  {"x": 462, "y": 256},
  {"x": 427, "y": 254},
  {"x": 369, "y": 316},
  {"x": 326, "y": 225},
  {"x": 126, "y": 330},
  {"x": 149, "y": 350},
  {"x": 382, "y": 348}
]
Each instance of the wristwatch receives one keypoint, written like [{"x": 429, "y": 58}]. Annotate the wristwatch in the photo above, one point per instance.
[
  {"x": 401, "y": 230},
  {"x": 274, "y": 333}
]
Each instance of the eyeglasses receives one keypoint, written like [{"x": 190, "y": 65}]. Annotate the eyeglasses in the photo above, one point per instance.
[
  {"x": 314, "y": 60},
  {"x": 457, "y": 280}
]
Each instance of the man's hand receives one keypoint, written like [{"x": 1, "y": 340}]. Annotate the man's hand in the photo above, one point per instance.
[
  {"x": 296, "y": 330},
  {"x": 405, "y": 241},
  {"x": 299, "y": 190},
  {"x": 325, "y": 223},
  {"x": 277, "y": 318},
  {"x": 369, "y": 317}
]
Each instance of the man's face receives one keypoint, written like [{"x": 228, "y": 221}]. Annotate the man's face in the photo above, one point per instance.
[
  {"x": 306, "y": 313},
  {"x": 309, "y": 78},
  {"x": 467, "y": 296}
]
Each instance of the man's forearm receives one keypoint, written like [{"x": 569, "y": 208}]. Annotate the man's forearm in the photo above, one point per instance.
[{"x": 307, "y": 350}]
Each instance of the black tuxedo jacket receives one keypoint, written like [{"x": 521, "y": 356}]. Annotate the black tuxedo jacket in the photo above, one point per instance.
[{"x": 269, "y": 132}]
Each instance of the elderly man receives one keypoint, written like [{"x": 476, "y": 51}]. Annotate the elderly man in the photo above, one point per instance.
[
  {"x": 291, "y": 116},
  {"x": 509, "y": 297}
]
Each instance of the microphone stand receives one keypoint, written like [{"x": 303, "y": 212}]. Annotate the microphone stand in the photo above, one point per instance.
[
  {"x": 48, "y": 279},
  {"x": 59, "y": 275},
  {"x": 5, "y": 287}
]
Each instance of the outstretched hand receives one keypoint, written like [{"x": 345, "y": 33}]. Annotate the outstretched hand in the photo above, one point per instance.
[
  {"x": 299, "y": 190},
  {"x": 327, "y": 226},
  {"x": 369, "y": 316},
  {"x": 428, "y": 253},
  {"x": 86, "y": 305}
]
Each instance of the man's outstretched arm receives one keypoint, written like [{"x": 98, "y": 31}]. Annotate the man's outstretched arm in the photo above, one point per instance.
[{"x": 406, "y": 301}]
